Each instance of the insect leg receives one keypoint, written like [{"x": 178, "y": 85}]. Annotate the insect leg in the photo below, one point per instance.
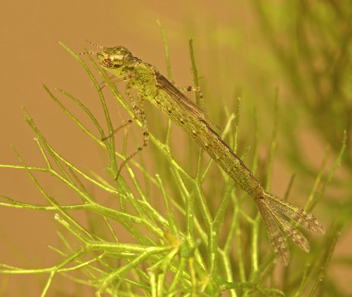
[
  {"x": 192, "y": 89},
  {"x": 195, "y": 89},
  {"x": 135, "y": 111},
  {"x": 118, "y": 129},
  {"x": 115, "y": 80},
  {"x": 138, "y": 111}
]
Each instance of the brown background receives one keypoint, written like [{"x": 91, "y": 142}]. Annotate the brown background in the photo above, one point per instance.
[{"x": 30, "y": 32}]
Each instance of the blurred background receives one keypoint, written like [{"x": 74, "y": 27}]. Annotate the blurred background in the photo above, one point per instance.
[{"x": 298, "y": 51}]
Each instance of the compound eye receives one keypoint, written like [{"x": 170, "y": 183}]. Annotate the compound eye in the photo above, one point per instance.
[{"x": 107, "y": 63}]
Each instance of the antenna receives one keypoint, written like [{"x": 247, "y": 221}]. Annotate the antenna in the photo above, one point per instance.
[
  {"x": 91, "y": 52},
  {"x": 97, "y": 45}
]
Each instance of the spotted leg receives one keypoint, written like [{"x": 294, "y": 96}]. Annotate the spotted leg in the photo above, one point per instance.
[{"x": 138, "y": 111}]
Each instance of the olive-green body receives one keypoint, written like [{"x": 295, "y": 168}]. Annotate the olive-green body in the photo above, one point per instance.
[{"x": 151, "y": 85}]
